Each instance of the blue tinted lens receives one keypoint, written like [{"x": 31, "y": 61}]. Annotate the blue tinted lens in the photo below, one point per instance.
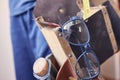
[
  {"x": 76, "y": 32},
  {"x": 89, "y": 65}
]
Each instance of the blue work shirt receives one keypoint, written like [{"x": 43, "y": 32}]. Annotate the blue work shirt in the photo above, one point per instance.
[
  {"x": 20, "y": 6},
  {"x": 27, "y": 40}
]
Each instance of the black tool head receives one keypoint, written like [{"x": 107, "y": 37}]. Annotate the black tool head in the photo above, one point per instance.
[{"x": 55, "y": 10}]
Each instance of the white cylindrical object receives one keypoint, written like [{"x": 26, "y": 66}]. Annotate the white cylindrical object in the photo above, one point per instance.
[{"x": 43, "y": 69}]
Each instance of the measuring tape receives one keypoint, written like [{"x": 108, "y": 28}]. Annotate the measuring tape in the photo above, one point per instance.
[{"x": 86, "y": 8}]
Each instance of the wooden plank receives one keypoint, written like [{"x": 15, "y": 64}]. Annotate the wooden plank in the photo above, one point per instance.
[
  {"x": 54, "y": 45},
  {"x": 109, "y": 30},
  {"x": 58, "y": 45}
]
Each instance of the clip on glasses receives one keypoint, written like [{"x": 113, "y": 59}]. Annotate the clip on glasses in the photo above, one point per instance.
[{"x": 76, "y": 33}]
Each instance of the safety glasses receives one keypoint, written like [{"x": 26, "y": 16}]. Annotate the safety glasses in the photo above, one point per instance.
[{"x": 76, "y": 33}]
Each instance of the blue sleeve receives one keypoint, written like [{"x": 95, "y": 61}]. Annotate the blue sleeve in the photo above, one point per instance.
[{"x": 28, "y": 44}]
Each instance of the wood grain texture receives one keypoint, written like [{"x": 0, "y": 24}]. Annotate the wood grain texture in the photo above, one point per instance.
[
  {"x": 59, "y": 46},
  {"x": 109, "y": 29}
]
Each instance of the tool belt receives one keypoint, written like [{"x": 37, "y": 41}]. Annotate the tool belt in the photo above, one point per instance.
[{"x": 76, "y": 43}]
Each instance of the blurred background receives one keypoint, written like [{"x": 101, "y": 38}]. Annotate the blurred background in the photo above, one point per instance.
[{"x": 7, "y": 71}]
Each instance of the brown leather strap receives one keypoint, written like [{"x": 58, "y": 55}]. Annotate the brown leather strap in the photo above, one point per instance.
[{"x": 55, "y": 10}]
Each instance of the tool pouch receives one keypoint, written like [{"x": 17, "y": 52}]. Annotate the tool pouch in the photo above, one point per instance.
[{"x": 58, "y": 11}]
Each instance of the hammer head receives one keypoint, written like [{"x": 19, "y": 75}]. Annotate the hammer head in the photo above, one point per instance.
[{"x": 55, "y": 10}]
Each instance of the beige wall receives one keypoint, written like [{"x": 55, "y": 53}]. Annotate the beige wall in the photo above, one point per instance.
[
  {"x": 110, "y": 69},
  {"x": 6, "y": 57}
]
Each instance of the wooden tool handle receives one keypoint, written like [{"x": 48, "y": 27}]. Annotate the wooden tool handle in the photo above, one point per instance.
[{"x": 40, "y": 67}]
